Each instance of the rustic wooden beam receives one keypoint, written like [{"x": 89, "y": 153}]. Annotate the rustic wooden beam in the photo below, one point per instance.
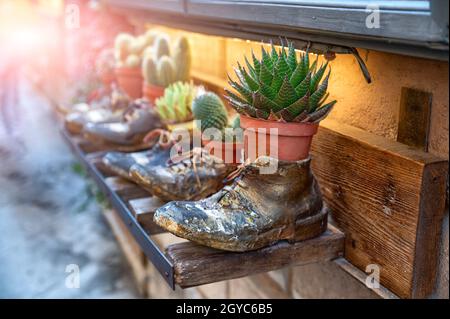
[
  {"x": 389, "y": 201},
  {"x": 197, "y": 265},
  {"x": 125, "y": 189},
  {"x": 143, "y": 210},
  {"x": 414, "y": 118}
]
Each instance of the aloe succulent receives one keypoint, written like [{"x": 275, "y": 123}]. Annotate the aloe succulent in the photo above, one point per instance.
[
  {"x": 176, "y": 104},
  {"x": 281, "y": 87}
]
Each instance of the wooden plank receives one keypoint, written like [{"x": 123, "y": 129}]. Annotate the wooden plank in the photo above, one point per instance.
[
  {"x": 389, "y": 201},
  {"x": 125, "y": 189},
  {"x": 197, "y": 265},
  {"x": 414, "y": 118},
  {"x": 144, "y": 209},
  {"x": 361, "y": 276}
]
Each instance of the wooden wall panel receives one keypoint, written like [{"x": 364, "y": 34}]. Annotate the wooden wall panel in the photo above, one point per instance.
[{"x": 389, "y": 201}]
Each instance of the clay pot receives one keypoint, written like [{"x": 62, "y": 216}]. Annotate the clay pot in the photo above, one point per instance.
[
  {"x": 230, "y": 153},
  {"x": 292, "y": 141},
  {"x": 130, "y": 81},
  {"x": 107, "y": 78},
  {"x": 152, "y": 92}
]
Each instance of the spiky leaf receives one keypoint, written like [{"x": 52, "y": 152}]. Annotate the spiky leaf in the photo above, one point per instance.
[
  {"x": 262, "y": 102},
  {"x": 266, "y": 59},
  {"x": 292, "y": 111},
  {"x": 251, "y": 83},
  {"x": 277, "y": 81},
  {"x": 292, "y": 58},
  {"x": 251, "y": 69},
  {"x": 236, "y": 97},
  {"x": 282, "y": 68},
  {"x": 321, "y": 113},
  {"x": 243, "y": 91},
  {"x": 286, "y": 96},
  {"x": 303, "y": 87},
  {"x": 267, "y": 91},
  {"x": 299, "y": 73},
  {"x": 317, "y": 96},
  {"x": 265, "y": 75},
  {"x": 273, "y": 54},
  {"x": 317, "y": 77},
  {"x": 256, "y": 63}
]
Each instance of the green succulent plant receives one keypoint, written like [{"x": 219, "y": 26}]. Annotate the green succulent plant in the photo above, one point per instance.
[
  {"x": 280, "y": 87},
  {"x": 210, "y": 110},
  {"x": 175, "y": 106}
]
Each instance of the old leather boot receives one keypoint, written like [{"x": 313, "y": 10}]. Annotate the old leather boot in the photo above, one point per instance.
[
  {"x": 110, "y": 110},
  {"x": 190, "y": 177},
  {"x": 130, "y": 130},
  {"x": 257, "y": 210},
  {"x": 121, "y": 162}
]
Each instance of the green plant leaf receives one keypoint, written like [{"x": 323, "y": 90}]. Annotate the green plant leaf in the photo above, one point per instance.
[
  {"x": 241, "y": 108},
  {"x": 317, "y": 96},
  {"x": 252, "y": 84},
  {"x": 243, "y": 91},
  {"x": 251, "y": 69},
  {"x": 262, "y": 114},
  {"x": 292, "y": 58},
  {"x": 266, "y": 59},
  {"x": 235, "y": 97},
  {"x": 317, "y": 77},
  {"x": 273, "y": 53},
  {"x": 267, "y": 91},
  {"x": 265, "y": 75},
  {"x": 286, "y": 96},
  {"x": 321, "y": 113},
  {"x": 282, "y": 68},
  {"x": 303, "y": 87},
  {"x": 277, "y": 81},
  {"x": 299, "y": 73},
  {"x": 256, "y": 63},
  {"x": 292, "y": 111},
  {"x": 262, "y": 102}
]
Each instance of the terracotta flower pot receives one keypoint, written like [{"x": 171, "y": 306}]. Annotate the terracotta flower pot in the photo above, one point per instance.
[
  {"x": 107, "y": 78},
  {"x": 130, "y": 81},
  {"x": 291, "y": 141},
  {"x": 230, "y": 153},
  {"x": 152, "y": 92}
]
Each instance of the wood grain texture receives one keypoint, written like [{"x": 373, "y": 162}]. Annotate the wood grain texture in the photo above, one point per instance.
[
  {"x": 389, "y": 201},
  {"x": 414, "y": 118},
  {"x": 125, "y": 189},
  {"x": 144, "y": 209},
  {"x": 196, "y": 265}
]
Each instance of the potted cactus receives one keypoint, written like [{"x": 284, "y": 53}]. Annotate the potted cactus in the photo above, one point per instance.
[
  {"x": 210, "y": 112},
  {"x": 161, "y": 68},
  {"x": 283, "y": 92},
  {"x": 175, "y": 106},
  {"x": 128, "y": 50},
  {"x": 104, "y": 67}
]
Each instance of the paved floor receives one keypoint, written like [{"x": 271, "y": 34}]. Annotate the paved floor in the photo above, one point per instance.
[{"x": 49, "y": 219}]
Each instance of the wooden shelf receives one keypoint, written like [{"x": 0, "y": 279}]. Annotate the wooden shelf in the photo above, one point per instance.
[{"x": 187, "y": 264}]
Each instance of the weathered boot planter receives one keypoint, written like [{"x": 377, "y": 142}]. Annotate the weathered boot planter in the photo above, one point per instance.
[
  {"x": 152, "y": 92},
  {"x": 130, "y": 80},
  {"x": 285, "y": 141},
  {"x": 257, "y": 210}
]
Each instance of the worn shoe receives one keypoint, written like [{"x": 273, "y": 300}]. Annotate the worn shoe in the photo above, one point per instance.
[
  {"x": 257, "y": 210},
  {"x": 193, "y": 176},
  {"x": 109, "y": 110},
  {"x": 137, "y": 121}
]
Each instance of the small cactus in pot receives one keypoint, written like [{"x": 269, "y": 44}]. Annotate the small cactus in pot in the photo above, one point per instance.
[
  {"x": 175, "y": 106},
  {"x": 225, "y": 141},
  {"x": 283, "y": 92}
]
